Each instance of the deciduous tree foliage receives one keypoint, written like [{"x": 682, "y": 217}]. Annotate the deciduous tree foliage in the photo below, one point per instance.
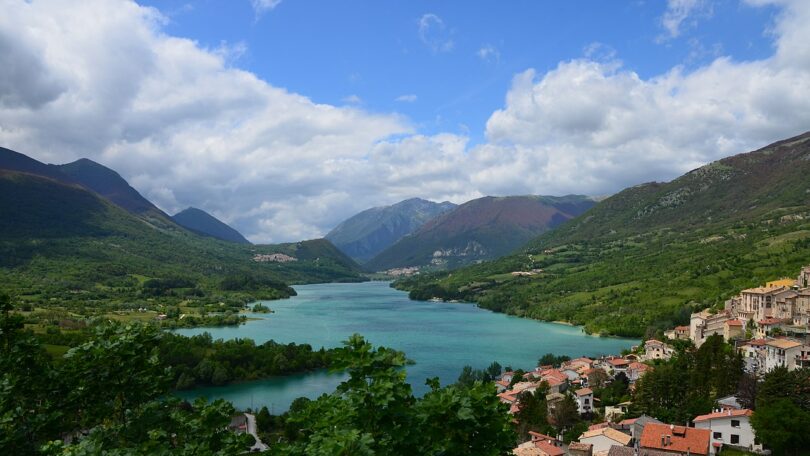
[{"x": 375, "y": 412}]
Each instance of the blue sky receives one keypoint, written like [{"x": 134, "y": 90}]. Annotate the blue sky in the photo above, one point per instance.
[
  {"x": 460, "y": 65},
  {"x": 285, "y": 117}
]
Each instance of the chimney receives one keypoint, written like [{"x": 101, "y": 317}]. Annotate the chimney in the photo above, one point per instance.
[
  {"x": 669, "y": 440},
  {"x": 663, "y": 441}
]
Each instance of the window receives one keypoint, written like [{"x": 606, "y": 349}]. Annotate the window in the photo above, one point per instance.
[
  {"x": 735, "y": 439},
  {"x": 735, "y": 423},
  {"x": 718, "y": 436},
  {"x": 587, "y": 401}
]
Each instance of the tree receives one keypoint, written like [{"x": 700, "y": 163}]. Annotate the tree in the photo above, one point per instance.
[
  {"x": 782, "y": 427},
  {"x": 565, "y": 414},
  {"x": 375, "y": 412},
  {"x": 533, "y": 413}
]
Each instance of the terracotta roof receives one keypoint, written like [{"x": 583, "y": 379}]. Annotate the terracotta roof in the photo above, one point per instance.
[
  {"x": 608, "y": 432},
  {"x": 682, "y": 439},
  {"x": 548, "y": 448},
  {"x": 734, "y": 322},
  {"x": 584, "y": 391},
  {"x": 528, "y": 452},
  {"x": 638, "y": 366},
  {"x": 769, "y": 321},
  {"x": 682, "y": 328},
  {"x": 756, "y": 342},
  {"x": 618, "y": 362},
  {"x": 783, "y": 343},
  {"x": 627, "y": 422}
]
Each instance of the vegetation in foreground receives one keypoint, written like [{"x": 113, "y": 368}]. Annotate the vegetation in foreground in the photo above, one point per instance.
[{"x": 110, "y": 395}]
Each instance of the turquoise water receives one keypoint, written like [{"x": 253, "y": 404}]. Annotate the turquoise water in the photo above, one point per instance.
[{"x": 440, "y": 337}]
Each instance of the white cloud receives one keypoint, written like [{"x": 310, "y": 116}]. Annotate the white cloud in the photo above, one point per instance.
[
  {"x": 407, "y": 98},
  {"x": 262, "y": 6},
  {"x": 187, "y": 128},
  {"x": 680, "y": 11},
  {"x": 489, "y": 53},
  {"x": 434, "y": 34}
]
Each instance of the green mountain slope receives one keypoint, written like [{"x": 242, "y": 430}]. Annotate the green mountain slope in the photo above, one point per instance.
[
  {"x": 202, "y": 222},
  {"x": 370, "y": 232},
  {"x": 480, "y": 229},
  {"x": 646, "y": 257},
  {"x": 60, "y": 242}
]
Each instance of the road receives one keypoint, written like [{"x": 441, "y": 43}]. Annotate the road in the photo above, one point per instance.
[{"x": 251, "y": 429}]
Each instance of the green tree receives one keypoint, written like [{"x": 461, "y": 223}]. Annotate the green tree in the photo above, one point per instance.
[{"x": 782, "y": 427}]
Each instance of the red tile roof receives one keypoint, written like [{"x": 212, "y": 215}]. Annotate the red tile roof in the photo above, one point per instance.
[
  {"x": 584, "y": 392},
  {"x": 618, "y": 362},
  {"x": 548, "y": 448},
  {"x": 734, "y": 322},
  {"x": 723, "y": 414},
  {"x": 769, "y": 321},
  {"x": 598, "y": 426},
  {"x": 682, "y": 328},
  {"x": 682, "y": 439},
  {"x": 627, "y": 422}
]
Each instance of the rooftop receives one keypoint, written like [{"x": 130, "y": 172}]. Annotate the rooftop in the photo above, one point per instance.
[
  {"x": 584, "y": 391},
  {"x": 723, "y": 414},
  {"x": 608, "y": 432},
  {"x": 681, "y": 439},
  {"x": 783, "y": 344}
]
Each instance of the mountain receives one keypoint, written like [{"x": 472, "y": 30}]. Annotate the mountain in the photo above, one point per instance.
[
  {"x": 480, "y": 229},
  {"x": 645, "y": 258},
  {"x": 109, "y": 184},
  {"x": 63, "y": 243},
  {"x": 370, "y": 232},
  {"x": 202, "y": 222}
]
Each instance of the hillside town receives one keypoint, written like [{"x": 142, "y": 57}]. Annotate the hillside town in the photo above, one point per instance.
[{"x": 767, "y": 326}]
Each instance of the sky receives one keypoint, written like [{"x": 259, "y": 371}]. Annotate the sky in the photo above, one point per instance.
[{"x": 284, "y": 117}]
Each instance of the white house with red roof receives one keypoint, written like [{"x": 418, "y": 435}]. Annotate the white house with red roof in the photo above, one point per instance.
[
  {"x": 655, "y": 349},
  {"x": 729, "y": 428},
  {"x": 584, "y": 397}
]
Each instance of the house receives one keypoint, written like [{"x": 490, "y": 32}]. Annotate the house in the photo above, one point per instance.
[
  {"x": 553, "y": 399},
  {"x": 728, "y": 427},
  {"x": 681, "y": 332},
  {"x": 675, "y": 440},
  {"x": 753, "y": 353},
  {"x": 781, "y": 353},
  {"x": 614, "y": 412},
  {"x": 580, "y": 449},
  {"x": 733, "y": 329},
  {"x": 602, "y": 439},
  {"x": 766, "y": 326},
  {"x": 655, "y": 349},
  {"x": 635, "y": 371},
  {"x": 616, "y": 365},
  {"x": 584, "y": 397},
  {"x": 540, "y": 445},
  {"x": 635, "y": 426}
]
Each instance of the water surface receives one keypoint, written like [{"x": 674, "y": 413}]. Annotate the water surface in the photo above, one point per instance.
[{"x": 440, "y": 337}]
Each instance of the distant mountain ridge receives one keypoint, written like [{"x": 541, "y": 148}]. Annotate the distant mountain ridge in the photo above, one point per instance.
[
  {"x": 202, "y": 222},
  {"x": 368, "y": 233},
  {"x": 480, "y": 229}
]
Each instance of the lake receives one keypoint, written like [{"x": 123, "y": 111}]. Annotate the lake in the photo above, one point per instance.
[{"x": 440, "y": 337}]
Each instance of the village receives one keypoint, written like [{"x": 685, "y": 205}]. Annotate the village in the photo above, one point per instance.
[{"x": 767, "y": 326}]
